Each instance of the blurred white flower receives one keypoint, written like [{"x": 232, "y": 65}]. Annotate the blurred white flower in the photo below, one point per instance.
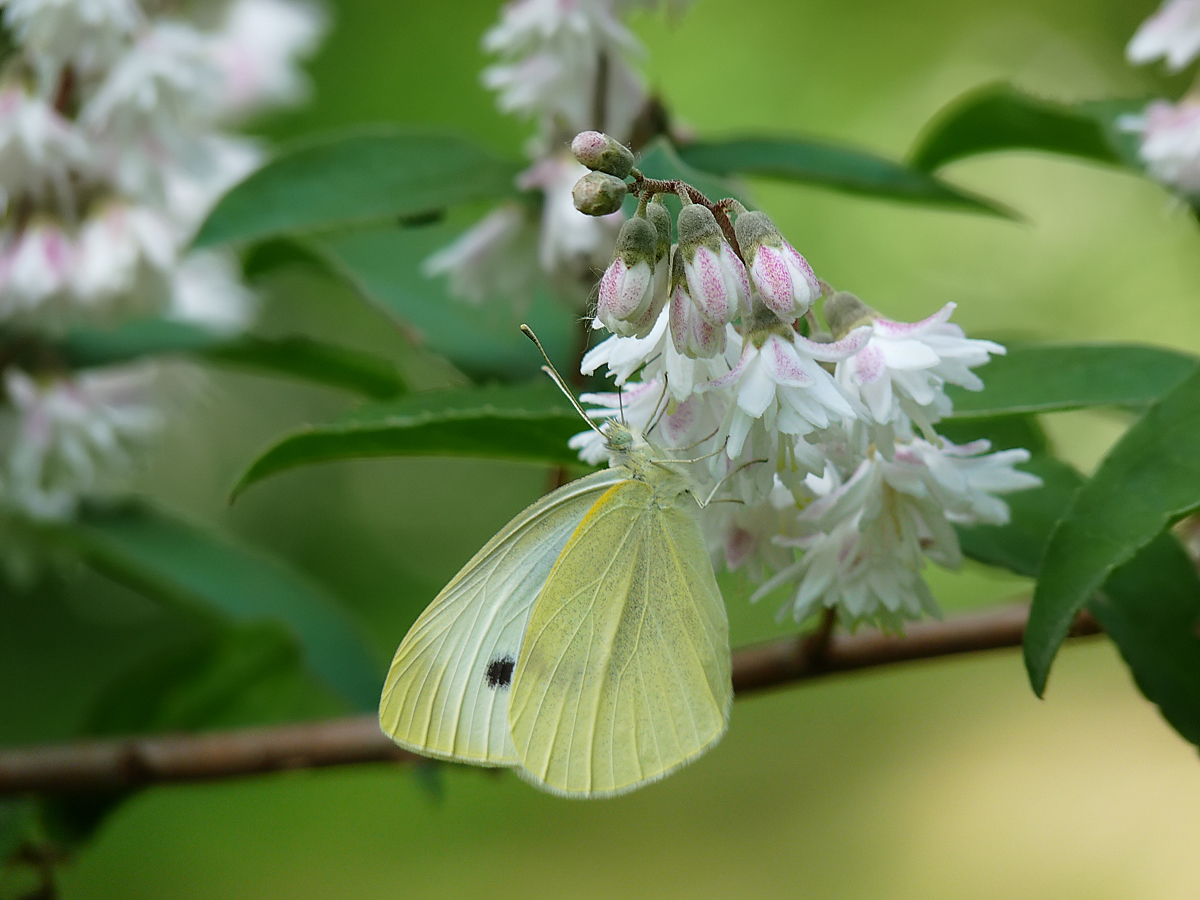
[
  {"x": 87, "y": 34},
  {"x": 36, "y": 266},
  {"x": 495, "y": 257},
  {"x": 1170, "y": 145},
  {"x": 256, "y": 51},
  {"x": 206, "y": 289},
  {"x": 117, "y": 248},
  {"x": 74, "y": 436},
  {"x": 1173, "y": 32},
  {"x": 39, "y": 150}
]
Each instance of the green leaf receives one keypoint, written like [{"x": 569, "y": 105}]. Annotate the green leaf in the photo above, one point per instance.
[
  {"x": 17, "y": 818},
  {"x": 832, "y": 166},
  {"x": 176, "y": 562},
  {"x": 999, "y": 117},
  {"x": 1147, "y": 481},
  {"x": 1048, "y": 378},
  {"x": 384, "y": 266},
  {"x": 357, "y": 179},
  {"x": 1150, "y": 607},
  {"x": 529, "y": 423},
  {"x": 297, "y": 357},
  {"x": 232, "y": 677}
]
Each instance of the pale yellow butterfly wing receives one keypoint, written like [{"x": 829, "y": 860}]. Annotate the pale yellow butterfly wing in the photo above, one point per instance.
[
  {"x": 625, "y": 671},
  {"x": 447, "y": 692}
]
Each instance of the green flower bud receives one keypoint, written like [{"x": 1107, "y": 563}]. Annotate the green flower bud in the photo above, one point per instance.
[
  {"x": 637, "y": 242},
  {"x": 599, "y": 194},
  {"x": 660, "y": 216},
  {"x": 844, "y": 312},
  {"x": 601, "y": 153},
  {"x": 697, "y": 228}
]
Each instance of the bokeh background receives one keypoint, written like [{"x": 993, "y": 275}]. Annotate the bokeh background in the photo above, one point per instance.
[{"x": 940, "y": 780}]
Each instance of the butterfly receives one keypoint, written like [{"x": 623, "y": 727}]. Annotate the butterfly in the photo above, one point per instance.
[{"x": 586, "y": 645}]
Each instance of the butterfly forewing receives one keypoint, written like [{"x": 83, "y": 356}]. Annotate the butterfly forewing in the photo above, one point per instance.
[
  {"x": 624, "y": 674},
  {"x": 447, "y": 692}
]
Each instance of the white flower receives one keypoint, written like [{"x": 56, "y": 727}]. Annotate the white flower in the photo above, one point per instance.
[
  {"x": 902, "y": 370},
  {"x": 205, "y": 289},
  {"x": 39, "y": 150},
  {"x": 1170, "y": 145},
  {"x": 495, "y": 257},
  {"x": 166, "y": 80},
  {"x": 868, "y": 538},
  {"x": 85, "y": 33},
  {"x": 75, "y": 436},
  {"x": 571, "y": 246},
  {"x": 1172, "y": 32},
  {"x": 35, "y": 268},
  {"x": 746, "y": 535},
  {"x": 550, "y": 52},
  {"x": 257, "y": 48},
  {"x": 117, "y": 247},
  {"x": 781, "y": 382}
]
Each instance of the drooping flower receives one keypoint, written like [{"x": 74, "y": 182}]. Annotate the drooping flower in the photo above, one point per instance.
[
  {"x": 496, "y": 257},
  {"x": 1170, "y": 144},
  {"x": 1173, "y": 33},
  {"x": 900, "y": 373},
  {"x": 779, "y": 380},
  {"x": 73, "y": 436},
  {"x": 716, "y": 278}
]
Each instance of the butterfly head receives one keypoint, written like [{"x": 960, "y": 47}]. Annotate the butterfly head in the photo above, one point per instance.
[{"x": 627, "y": 446}]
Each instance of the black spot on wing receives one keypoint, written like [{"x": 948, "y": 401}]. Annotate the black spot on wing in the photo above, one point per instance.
[{"x": 500, "y": 672}]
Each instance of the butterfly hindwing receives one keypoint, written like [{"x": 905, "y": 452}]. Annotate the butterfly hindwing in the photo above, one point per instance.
[
  {"x": 447, "y": 692},
  {"x": 624, "y": 674}
]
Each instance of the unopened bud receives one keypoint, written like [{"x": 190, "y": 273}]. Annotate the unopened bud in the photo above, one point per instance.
[
  {"x": 691, "y": 334},
  {"x": 600, "y": 153},
  {"x": 783, "y": 277},
  {"x": 627, "y": 287},
  {"x": 715, "y": 275},
  {"x": 599, "y": 194},
  {"x": 844, "y": 312},
  {"x": 660, "y": 216}
]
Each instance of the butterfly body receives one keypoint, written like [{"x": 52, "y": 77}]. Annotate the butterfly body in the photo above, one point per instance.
[{"x": 586, "y": 644}]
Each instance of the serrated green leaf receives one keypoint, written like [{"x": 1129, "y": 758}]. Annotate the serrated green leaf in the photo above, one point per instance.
[
  {"x": 1147, "y": 481},
  {"x": 295, "y": 357},
  {"x": 357, "y": 179},
  {"x": 176, "y": 562},
  {"x": 1048, "y": 378},
  {"x": 829, "y": 165},
  {"x": 528, "y": 423},
  {"x": 999, "y": 117},
  {"x": 384, "y": 266}
]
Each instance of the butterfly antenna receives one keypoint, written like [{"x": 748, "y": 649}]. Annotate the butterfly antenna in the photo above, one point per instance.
[
  {"x": 621, "y": 402},
  {"x": 549, "y": 369}
]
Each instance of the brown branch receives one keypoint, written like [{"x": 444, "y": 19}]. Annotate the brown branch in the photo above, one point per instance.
[
  {"x": 126, "y": 764},
  {"x": 643, "y": 186}
]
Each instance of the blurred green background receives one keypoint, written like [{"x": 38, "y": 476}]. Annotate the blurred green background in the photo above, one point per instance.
[{"x": 941, "y": 780}]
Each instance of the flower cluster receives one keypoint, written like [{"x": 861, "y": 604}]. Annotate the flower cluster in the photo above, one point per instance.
[
  {"x": 113, "y": 148},
  {"x": 1170, "y": 132},
  {"x": 568, "y": 65},
  {"x": 824, "y": 436}
]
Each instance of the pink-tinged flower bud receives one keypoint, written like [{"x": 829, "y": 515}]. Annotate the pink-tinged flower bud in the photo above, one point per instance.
[
  {"x": 601, "y": 153},
  {"x": 598, "y": 194},
  {"x": 627, "y": 288},
  {"x": 783, "y": 277},
  {"x": 715, "y": 276},
  {"x": 691, "y": 334}
]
